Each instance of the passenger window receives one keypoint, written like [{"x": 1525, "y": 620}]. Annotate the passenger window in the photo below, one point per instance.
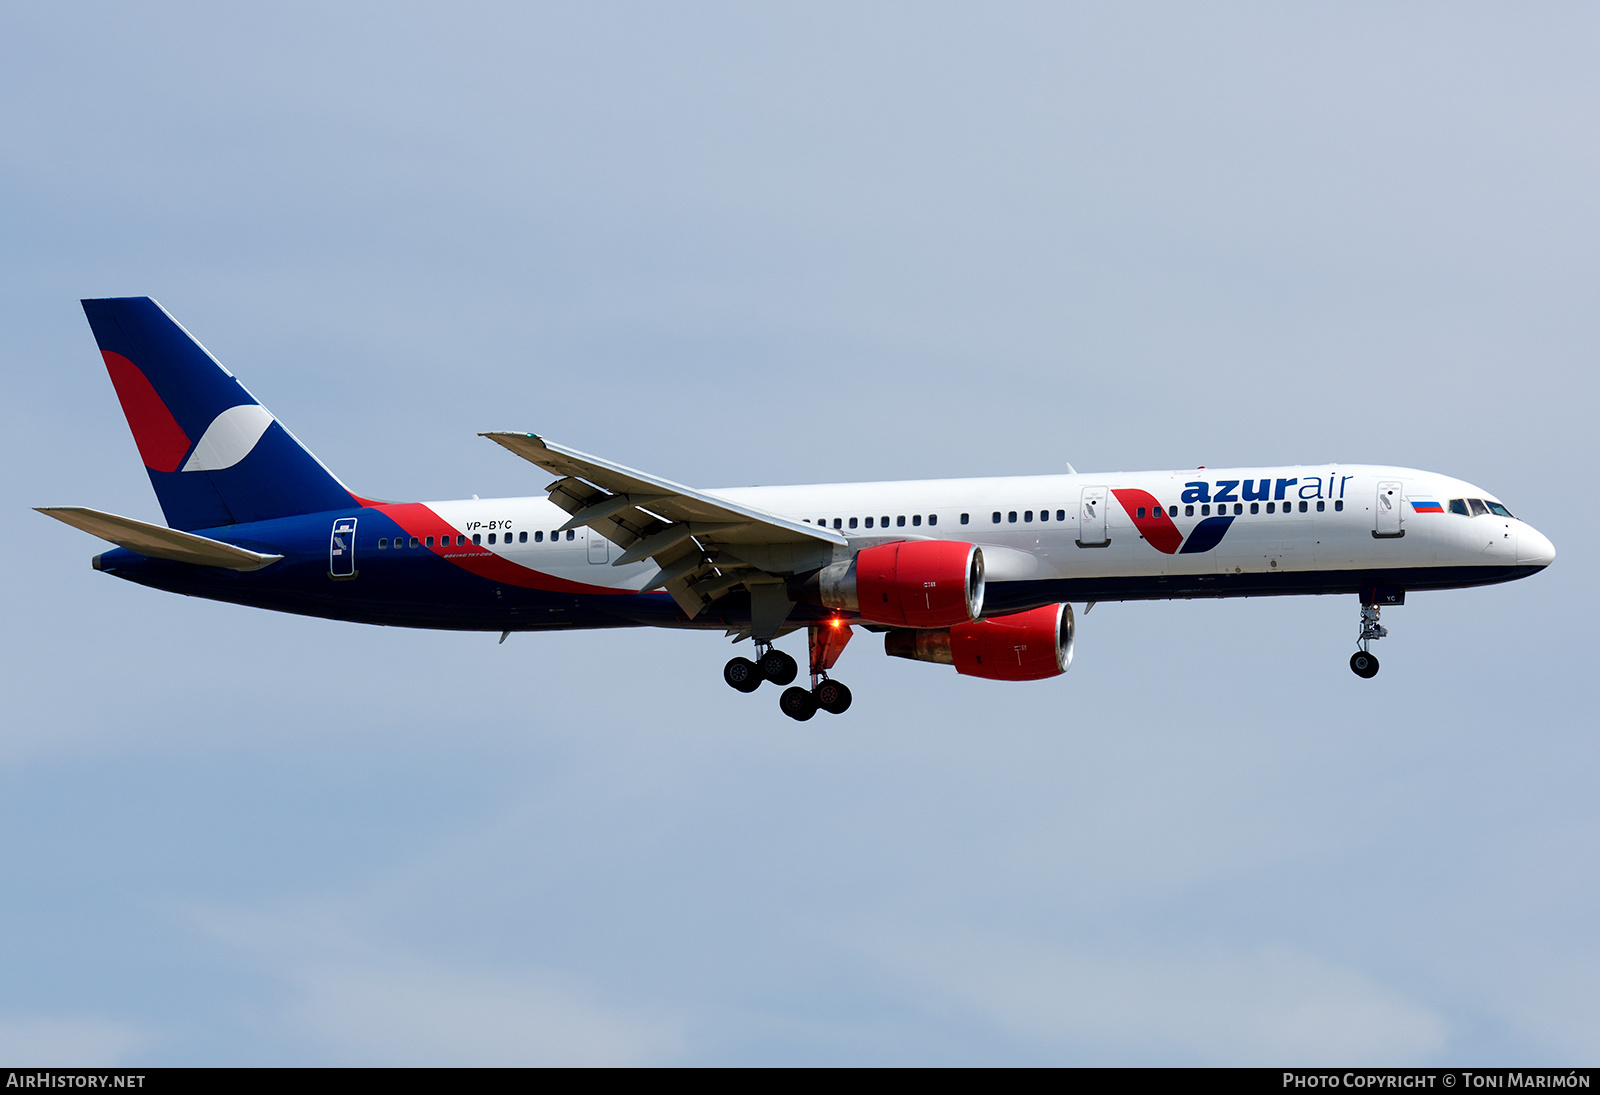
[
  {"x": 1141, "y": 513},
  {"x": 901, "y": 520},
  {"x": 1012, "y": 517},
  {"x": 869, "y": 522},
  {"x": 1321, "y": 505},
  {"x": 1255, "y": 507},
  {"x": 491, "y": 537},
  {"x": 538, "y": 537},
  {"x": 1061, "y": 515},
  {"x": 1458, "y": 505},
  {"x": 522, "y": 537},
  {"x": 1339, "y": 505},
  {"x": 1172, "y": 512},
  {"x": 430, "y": 541},
  {"x": 933, "y": 518},
  {"x": 413, "y": 541},
  {"x": 997, "y": 517},
  {"x": 837, "y": 523},
  {"x": 883, "y": 522},
  {"x": 852, "y": 522},
  {"x": 572, "y": 534},
  {"x": 1027, "y": 515},
  {"x": 461, "y": 540},
  {"x": 1188, "y": 511},
  {"x": 1498, "y": 510},
  {"x": 383, "y": 543},
  {"x": 1272, "y": 507},
  {"x": 477, "y": 538},
  {"x": 1205, "y": 511},
  {"x": 1478, "y": 510},
  {"x": 1044, "y": 515},
  {"x": 1238, "y": 508},
  {"x": 964, "y": 517},
  {"x": 1303, "y": 507},
  {"x": 916, "y": 518}
]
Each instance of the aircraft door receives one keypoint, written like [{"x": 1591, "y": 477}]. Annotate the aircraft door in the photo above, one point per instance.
[
  {"x": 1387, "y": 516},
  {"x": 342, "y": 549},
  {"x": 1092, "y": 518},
  {"x": 599, "y": 546}
]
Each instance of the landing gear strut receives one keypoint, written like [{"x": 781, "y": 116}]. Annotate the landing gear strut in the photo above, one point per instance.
[
  {"x": 1363, "y": 663},
  {"x": 826, "y": 644}
]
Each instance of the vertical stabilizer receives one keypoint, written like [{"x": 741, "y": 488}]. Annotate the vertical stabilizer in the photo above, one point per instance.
[{"x": 215, "y": 455}]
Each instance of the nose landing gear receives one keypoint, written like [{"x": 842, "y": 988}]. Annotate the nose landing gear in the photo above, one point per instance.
[{"x": 1364, "y": 663}]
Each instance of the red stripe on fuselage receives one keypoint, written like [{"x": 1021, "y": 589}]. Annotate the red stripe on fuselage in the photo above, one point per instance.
[
  {"x": 162, "y": 442},
  {"x": 1157, "y": 527},
  {"x": 421, "y": 522}
]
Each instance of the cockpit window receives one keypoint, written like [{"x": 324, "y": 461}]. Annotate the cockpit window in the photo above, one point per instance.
[
  {"x": 1458, "y": 505},
  {"x": 1478, "y": 508},
  {"x": 1498, "y": 510}
]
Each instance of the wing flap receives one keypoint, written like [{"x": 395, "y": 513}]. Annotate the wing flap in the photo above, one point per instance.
[
  {"x": 672, "y": 501},
  {"x": 705, "y": 546},
  {"x": 157, "y": 541}
]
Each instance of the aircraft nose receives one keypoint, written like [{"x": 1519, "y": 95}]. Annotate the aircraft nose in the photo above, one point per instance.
[{"x": 1534, "y": 548}]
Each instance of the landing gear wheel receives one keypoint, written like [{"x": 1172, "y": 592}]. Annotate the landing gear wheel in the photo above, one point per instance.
[
  {"x": 1364, "y": 665},
  {"x": 833, "y": 697},
  {"x": 778, "y": 667},
  {"x": 742, "y": 674},
  {"x": 798, "y": 704}
]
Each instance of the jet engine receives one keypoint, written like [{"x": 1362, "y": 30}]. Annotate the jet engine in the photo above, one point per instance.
[
  {"x": 1025, "y": 646},
  {"x": 912, "y": 583}
]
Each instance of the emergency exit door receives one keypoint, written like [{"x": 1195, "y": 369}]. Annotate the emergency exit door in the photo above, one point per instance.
[
  {"x": 1092, "y": 518},
  {"x": 342, "y": 549},
  {"x": 1387, "y": 516}
]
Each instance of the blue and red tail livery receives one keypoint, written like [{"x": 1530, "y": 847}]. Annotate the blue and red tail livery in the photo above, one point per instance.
[
  {"x": 215, "y": 455},
  {"x": 978, "y": 574}
]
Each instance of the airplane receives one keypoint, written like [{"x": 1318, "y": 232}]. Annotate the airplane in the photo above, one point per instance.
[{"x": 978, "y": 574}]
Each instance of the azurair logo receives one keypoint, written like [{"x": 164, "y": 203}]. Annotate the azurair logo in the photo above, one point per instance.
[{"x": 1154, "y": 524}]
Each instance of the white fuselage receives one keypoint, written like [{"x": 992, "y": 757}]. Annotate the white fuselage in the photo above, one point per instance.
[{"x": 1286, "y": 521}]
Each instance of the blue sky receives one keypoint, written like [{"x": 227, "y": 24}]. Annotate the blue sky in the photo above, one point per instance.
[{"x": 761, "y": 244}]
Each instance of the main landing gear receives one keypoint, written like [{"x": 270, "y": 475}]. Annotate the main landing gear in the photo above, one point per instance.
[
  {"x": 772, "y": 664},
  {"x": 1363, "y": 663}
]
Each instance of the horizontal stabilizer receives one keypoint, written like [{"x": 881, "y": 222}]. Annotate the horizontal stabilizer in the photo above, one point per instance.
[{"x": 158, "y": 542}]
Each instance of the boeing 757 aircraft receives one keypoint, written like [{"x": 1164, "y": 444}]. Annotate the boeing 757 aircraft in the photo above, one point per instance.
[{"x": 978, "y": 574}]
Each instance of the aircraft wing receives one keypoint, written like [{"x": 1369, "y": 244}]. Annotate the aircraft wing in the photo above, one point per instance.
[
  {"x": 704, "y": 545},
  {"x": 157, "y": 541}
]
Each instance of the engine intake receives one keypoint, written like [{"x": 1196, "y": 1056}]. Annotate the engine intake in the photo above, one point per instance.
[
  {"x": 1025, "y": 646},
  {"x": 912, "y": 583}
]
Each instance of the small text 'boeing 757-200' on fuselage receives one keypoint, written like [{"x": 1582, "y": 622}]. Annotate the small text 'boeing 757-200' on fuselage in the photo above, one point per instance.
[{"x": 975, "y": 573}]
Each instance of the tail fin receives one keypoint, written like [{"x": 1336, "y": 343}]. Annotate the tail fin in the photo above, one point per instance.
[{"x": 215, "y": 455}]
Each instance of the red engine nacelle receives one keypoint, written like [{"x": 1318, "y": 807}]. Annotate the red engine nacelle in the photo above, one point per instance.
[
  {"x": 1025, "y": 646},
  {"x": 913, "y": 583}
]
